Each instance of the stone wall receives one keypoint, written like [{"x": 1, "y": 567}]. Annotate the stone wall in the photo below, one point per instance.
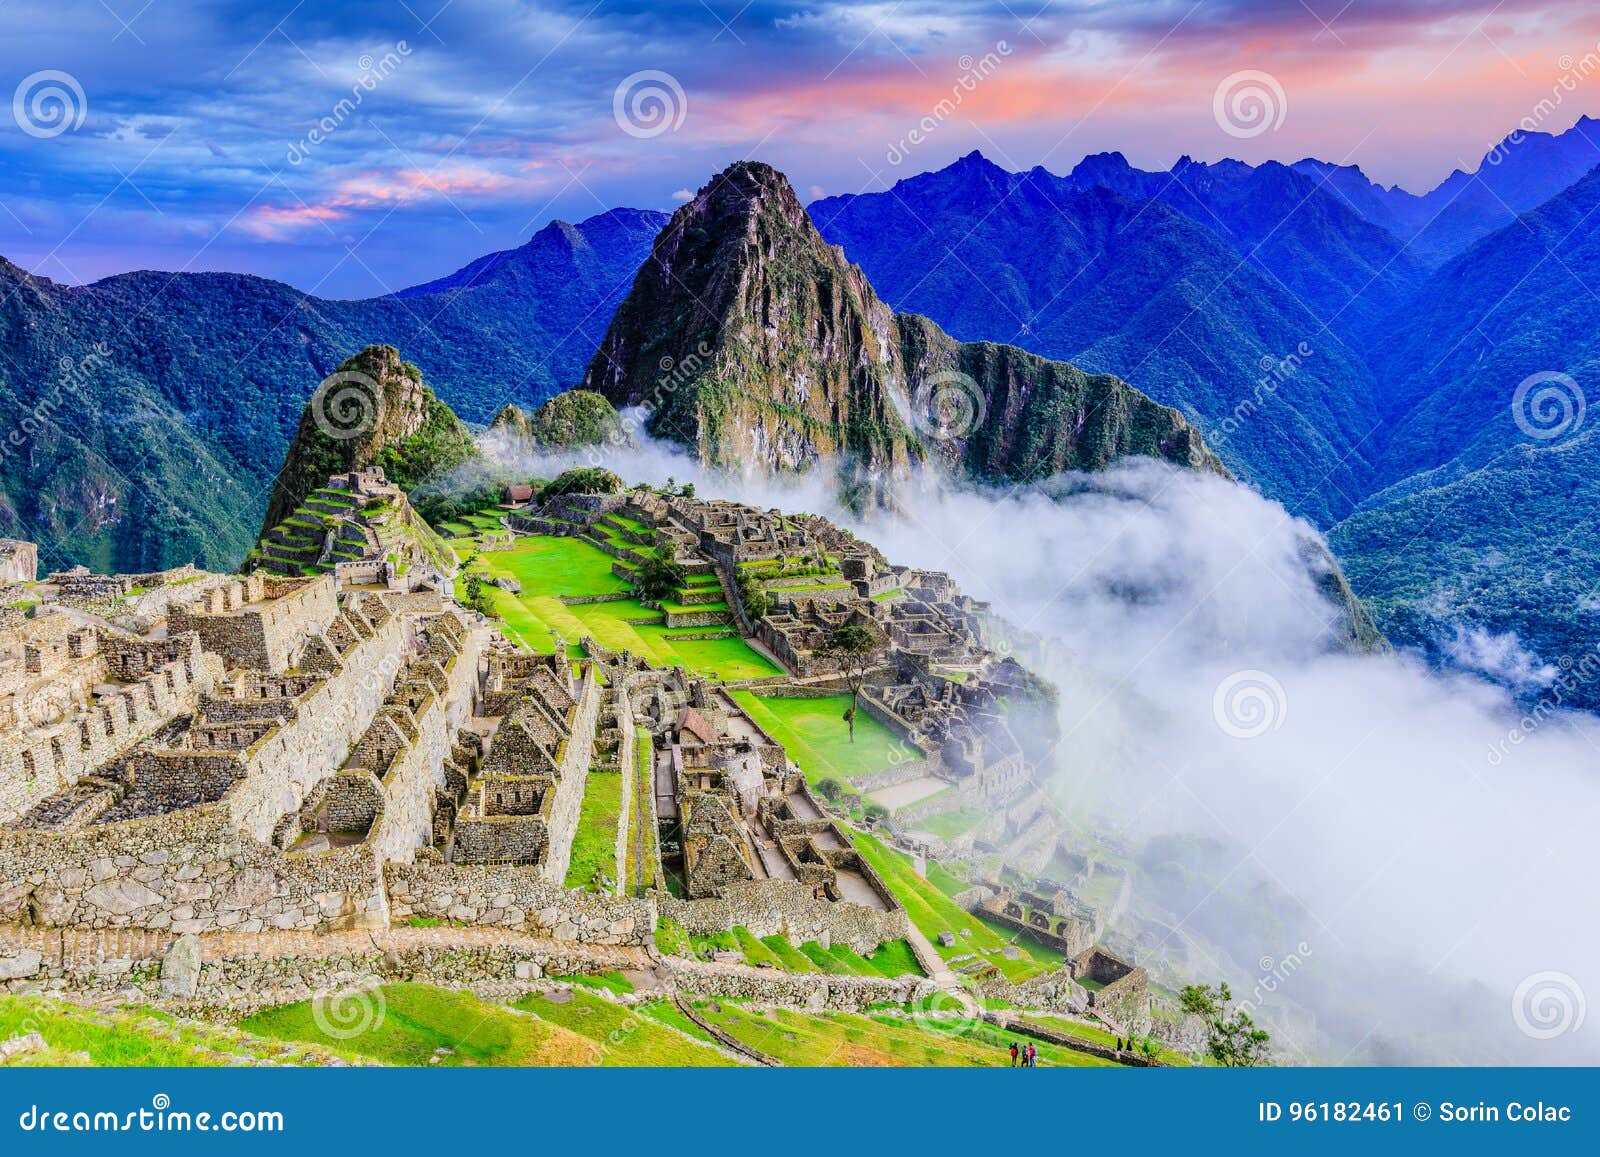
[
  {"x": 809, "y": 990},
  {"x": 187, "y": 871},
  {"x": 408, "y": 788},
  {"x": 786, "y": 908},
  {"x": 509, "y": 896},
  {"x": 267, "y": 634},
  {"x": 576, "y": 754},
  {"x": 45, "y": 760},
  {"x": 238, "y": 975},
  {"x": 287, "y": 764}
]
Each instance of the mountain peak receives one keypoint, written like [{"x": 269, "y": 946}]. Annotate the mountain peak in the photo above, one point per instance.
[{"x": 753, "y": 341}]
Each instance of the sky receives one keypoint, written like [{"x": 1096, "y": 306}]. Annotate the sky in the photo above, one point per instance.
[{"x": 354, "y": 148}]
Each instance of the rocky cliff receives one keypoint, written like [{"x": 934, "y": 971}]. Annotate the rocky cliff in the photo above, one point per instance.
[{"x": 753, "y": 341}]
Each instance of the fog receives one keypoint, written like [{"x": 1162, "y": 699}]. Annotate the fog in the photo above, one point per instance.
[{"x": 1392, "y": 863}]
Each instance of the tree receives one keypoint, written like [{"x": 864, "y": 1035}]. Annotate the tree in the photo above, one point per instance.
[
  {"x": 477, "y": 597},
  {"x": 1232, "y": 1038},
  {"x": 756, "y": 602},
  {"x": 657, "y": 577},
  {"x": 853, "y": 650}
]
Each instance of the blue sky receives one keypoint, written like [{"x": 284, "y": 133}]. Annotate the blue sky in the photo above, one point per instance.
[{"x": 351, "y": 148}]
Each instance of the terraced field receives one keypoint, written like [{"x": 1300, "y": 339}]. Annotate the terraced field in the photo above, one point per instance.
[
  {"x": 551, "y": 569},
  {"x": 816, "y": 736},
  {"x": 933, "y": 911}
]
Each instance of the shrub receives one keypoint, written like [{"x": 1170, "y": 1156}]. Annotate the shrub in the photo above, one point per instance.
[{"x": 582, "y": 480}]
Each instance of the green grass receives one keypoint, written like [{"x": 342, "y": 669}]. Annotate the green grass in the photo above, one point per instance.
[
  {"x": 610, "y": 981},
  {"x": 951, "y": 824},
  {"x": 554, "y": 565},
  {"x": 551, "y": 568},
  {"x": 814, "y": 733},
  {"x": 594, "y": 844},
  {"x": 670, "y": 1014},
  {"x": 933, "y": 912},
  {"x": 134, "y": 1037},
  {"x": 410, "y": 1023},
  {"x": 882, "y": 1040},
  {"x": 624, "y": 1037},
  {"x": 641, "y": 863},
  {"x": 790, "y": 958}
]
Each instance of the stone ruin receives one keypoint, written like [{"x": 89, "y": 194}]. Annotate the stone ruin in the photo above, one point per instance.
[{"x": 359, "y": 526}]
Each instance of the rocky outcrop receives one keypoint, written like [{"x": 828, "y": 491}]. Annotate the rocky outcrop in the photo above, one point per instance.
[{"x": 752, "y": 341}]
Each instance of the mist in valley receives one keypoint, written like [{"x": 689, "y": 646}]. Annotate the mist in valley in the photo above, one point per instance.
[{"x": 1391, "y": 863}]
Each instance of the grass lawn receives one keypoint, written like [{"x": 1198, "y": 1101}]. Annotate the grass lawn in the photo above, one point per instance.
[
  {"x": 933, "y": 912},
  {"x": 550, "y": 568},
  {"x": 136, "y": 1037},
  {"x": 623, "y": 1037},
  {"x": 948, "y": 825},
  {"x": 410, "y": 1022},
  {"x": 553, "y": 565},
  {"x": 642, "y": 868},
  {"x": 594, "y": 844},
  {"x": 845, "y": 1039},
  {"x": 669, "y": 1014},
  {"x": 814, "y": 733}
]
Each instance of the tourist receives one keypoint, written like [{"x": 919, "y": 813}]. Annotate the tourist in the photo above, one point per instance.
[
  {"x": 1033, "y": 1056},
  {"x": 1013, "y": 1054}
]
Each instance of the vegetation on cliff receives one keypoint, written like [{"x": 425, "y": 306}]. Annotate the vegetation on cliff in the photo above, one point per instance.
[{"x": 571, "y": 418}]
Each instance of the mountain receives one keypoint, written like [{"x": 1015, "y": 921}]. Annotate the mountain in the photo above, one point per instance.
[
  {"x": 1509, "y": 545},
  {"x": 1113, "y": 281},
  {"x": 1521, "y": 172},
  {"x": 1350, "y": 273},
  {"x": 160, "y": 405},
  {"x": 571, "y": 418},
  {"x": 1491, "y": 461},
  {"x": 1518, "y": 303},
  {"x": 750, "y": 339}
]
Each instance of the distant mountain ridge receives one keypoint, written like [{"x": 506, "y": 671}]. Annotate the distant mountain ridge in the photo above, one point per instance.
[
  {"x": 167, "y": 400},
  {"x": 1423, "y": 317}
]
